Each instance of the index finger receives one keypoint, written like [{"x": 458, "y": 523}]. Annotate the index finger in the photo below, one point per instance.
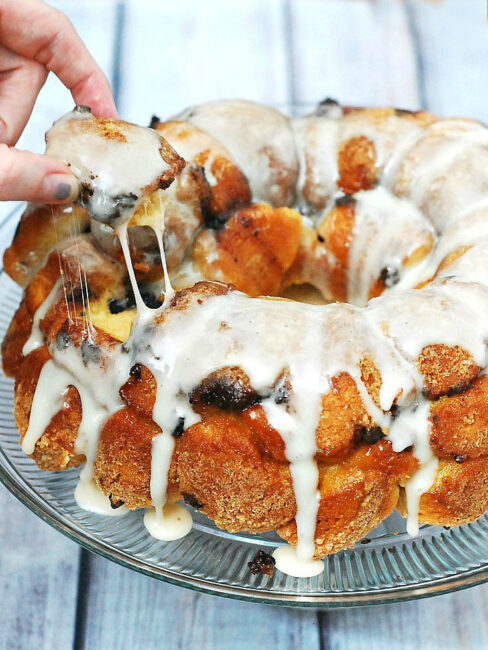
[{"x": 44, "y": 34}]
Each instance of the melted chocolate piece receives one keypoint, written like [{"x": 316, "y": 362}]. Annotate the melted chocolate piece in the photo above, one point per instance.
[
  {"x": 227, "y": 389},
  {"x": 179, "y": 428},
  {"x": 217, "y": 221},
  {"x": 119, "y": 305},
  {"x": 389, "y": 276},
  {"x": 324, "y": 107},
  {"x": 369, "y": 435},
  {"x": 115, "y": 503},
  {"x": 191, "y": 500},
  {"x": 262, "y": 563},
  {"x": 394, "y": 410},
  {"x": 136, "y": 371},
  {"x": 347, "y": 199}
]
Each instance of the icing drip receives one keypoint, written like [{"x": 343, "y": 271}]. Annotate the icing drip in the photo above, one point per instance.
[
  {"x": 170, "y": 523},
  {"x": 97, "y": 380},
  {"x": 288, "y": 562},
  {"x": 376, "y": 246},
  {"x": 89, "y": 497},
  {"x": 413, "y": 428},
  {"x": 36, "y": 337},
  {"x": 164, "y": 523}
]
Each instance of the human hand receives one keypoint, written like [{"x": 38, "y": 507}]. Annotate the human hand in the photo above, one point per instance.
[{"x": 34, "y": 40}]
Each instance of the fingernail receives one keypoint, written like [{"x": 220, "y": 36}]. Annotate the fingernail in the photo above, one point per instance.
[{"x": 61, "y": 187}]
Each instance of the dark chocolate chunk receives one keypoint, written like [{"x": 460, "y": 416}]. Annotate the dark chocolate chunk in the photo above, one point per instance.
[
  {"x": 324, "y": 107},
  {"x": 227, "y": 389},
  {"x": 117, "y": 306},
  {"x": 115, "y": 503},
  {"x": 390, "y": 276},
  {"x": 459, "y": 459},
  {"x": 124, "y": 202},
  {"x": 347, "y": 199},
  {"x": 135, "y": 371},
  {"x": 262, "y": 563},
  {"x": 164, "y": 183},
  {"x": 150, "y": 300},
  {"x": 217, "y": 221},
  {"x": 191, "y": 500},
  {"x": 154, "y": 122},
  {"x": 394, "y": 410},
  {"x": 179, "y": 428},
  {"x": 369, "y": 435},
  {"x": 86, "y": 193}
]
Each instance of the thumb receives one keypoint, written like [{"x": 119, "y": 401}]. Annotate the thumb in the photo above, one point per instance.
[{"x": 26, "y": 176}]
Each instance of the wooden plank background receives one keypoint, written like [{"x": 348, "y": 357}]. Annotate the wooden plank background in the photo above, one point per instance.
[{"x": 161, "y": 56}]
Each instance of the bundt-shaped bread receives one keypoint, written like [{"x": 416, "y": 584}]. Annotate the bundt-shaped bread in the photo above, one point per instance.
[{"x": 265, "y": 413}]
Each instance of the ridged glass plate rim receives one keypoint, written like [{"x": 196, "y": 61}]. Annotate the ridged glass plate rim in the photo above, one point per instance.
[{"x": 19, "y": 486}]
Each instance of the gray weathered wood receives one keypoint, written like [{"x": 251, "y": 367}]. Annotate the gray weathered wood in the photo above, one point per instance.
[
  {"x": 127, "y": 611},
  {"x": 176, "y": 54},
  {"x": 38, "y": 566},
  {"x": 449, "y": 622},
  {"x": 38, "y": 581},
  {"x": 358, "y": 52},
  {"x": 453, "y": 38}
]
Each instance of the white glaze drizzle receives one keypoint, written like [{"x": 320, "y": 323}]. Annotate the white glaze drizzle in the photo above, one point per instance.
[
  {"x": 379, "y": 217},
  {"x": 36, "y": 337}
]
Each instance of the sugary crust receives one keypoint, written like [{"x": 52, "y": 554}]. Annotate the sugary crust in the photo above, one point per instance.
[
  {"x": 357, "y": 165},
  {"x": 460, "y": 423},
  {"x": 458, "y": 496},
  {"x": 229, "y": 187},
  {"x": 40, "y": 230},
  {"x": 55, "y": 449},
  {"x": 252, "y": 251}
]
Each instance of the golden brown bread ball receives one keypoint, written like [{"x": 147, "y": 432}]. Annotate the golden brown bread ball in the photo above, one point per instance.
[{"x": 252, "y": 251}]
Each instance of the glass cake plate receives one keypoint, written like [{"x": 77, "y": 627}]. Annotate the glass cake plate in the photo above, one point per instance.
[{"x": 388, "y": 566}]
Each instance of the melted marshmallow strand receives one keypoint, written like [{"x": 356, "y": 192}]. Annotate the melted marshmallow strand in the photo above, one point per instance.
[{"x": 269, "y": 338}]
